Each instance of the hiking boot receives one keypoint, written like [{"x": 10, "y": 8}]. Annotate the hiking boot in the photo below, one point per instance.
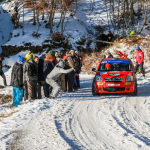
[{"x": 51, "y": 97}]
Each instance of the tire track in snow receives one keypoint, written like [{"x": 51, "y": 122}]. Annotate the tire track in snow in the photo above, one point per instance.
[
  {"x": 105, "y": 122},
  {"x": 131, "y": 118},
  {"x": 83, "y": 124}
]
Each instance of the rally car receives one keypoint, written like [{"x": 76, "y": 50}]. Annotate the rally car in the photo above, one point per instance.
[{"x": 114, "y": 75}]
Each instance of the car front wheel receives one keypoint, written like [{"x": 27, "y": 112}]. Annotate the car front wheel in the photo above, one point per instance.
[
  {"x": 93, "y": 91},
  {"x": 135, "y": 90}
]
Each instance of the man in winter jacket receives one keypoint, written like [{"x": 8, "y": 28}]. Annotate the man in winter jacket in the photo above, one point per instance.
[
  {"x": 70, "y": 76},
  {"x": 121, "y": 55},
  {"x": 110, "y": 37},
  {"x": 53, "y": 76},
  {"x": 61, "y": 78},
  {"x": 41, "y": 79},
  {"x": 139, "y": 60},
  {"x": 78, "y": 70},
  {"x": 30, "y": 76},
  {"x": 49, "y": 64},
  {"x": 2, "y": 73},
  {"x": 17, "y": 81}
]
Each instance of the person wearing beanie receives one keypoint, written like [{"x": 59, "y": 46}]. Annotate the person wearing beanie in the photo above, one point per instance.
[
  {"x": 49, "y": 64},
  {"x": 30, "y": 71},
  {"x": 2, "y": 73},
  {"x": 71, "y": 59},
  {"x": 108, "y": 54},
  {"x": 29, "y": 54},
  {"x": 139, "y": 60},
  {"x": 17, "y": 81}
]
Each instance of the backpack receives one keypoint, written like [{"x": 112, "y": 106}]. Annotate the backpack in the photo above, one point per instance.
[{"x": 32, "y": 70}]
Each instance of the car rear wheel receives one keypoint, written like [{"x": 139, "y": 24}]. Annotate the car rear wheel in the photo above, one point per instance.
[
  {"x": 135, "y": 90},
  {"x": 93, "y": 91}
]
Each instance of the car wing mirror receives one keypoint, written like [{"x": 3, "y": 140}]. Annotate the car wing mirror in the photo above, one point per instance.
[{"x": 94, "y": 69}]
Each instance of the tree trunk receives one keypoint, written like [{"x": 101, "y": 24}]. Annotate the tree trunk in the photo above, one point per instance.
[{"x": 34, "y": 21}]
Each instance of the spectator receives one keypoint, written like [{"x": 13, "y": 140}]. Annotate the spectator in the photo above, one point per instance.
[
  {"x": 49, "y": 64},
  {"x": 139, "y": 60},
  {"x": 36, "y": 59},
  {"x": 30, "y": 71},
  {"x": 78, "y": 69},
  {"x": 110, "y": 37},
  {"x": 66, "y": 55},
  {"x": 61, "y": 78},
  {"x": 103, "y": 37},
  {"x": 17, "y": 81},
  {"x": 108, "y": 54},
  {"x": 41, "y": 79},
  {"x": 121, "y": 55},
  {"x": 57, "y": 56},
  {"x": 53, "y": 75},
  {"x": 70, "y": 76},
  {"x": 29, "y": 54},
  {"x": 2, "y": 73}
]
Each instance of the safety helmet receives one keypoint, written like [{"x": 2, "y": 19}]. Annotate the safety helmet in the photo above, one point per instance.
[{"x": 108, "y": 66}]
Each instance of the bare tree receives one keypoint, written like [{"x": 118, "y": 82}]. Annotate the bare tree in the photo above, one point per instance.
[{"x": 64, "y": 6}]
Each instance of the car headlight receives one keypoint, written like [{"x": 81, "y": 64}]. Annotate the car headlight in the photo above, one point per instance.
[
  {"x": 98, "y": 78},
  {"x": 129, "y": 78}
]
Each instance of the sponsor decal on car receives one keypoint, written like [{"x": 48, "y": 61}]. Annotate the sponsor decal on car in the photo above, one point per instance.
[
  {"x": 113, "y": 84},
  {"x": 112, "y": 74},
  {"x": 115, "y": 61},
  {"x": 103, "y": 73}
]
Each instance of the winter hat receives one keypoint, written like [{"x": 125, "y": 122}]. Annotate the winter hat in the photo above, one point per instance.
[
  {"x": 52, "y": 53},
  {"x": 76, "y": 52},
  {"x": 137, "y": 47},
  {"x": 106, "y": 52},
  {"x": 21, "y": 59},
  {"x": 72, "y": 51}
]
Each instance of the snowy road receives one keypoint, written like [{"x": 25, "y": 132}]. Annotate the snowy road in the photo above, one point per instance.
[{"x": 78, "y": 120}]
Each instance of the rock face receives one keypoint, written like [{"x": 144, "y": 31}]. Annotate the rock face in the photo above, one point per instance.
[{"x": 9, "y": 50}]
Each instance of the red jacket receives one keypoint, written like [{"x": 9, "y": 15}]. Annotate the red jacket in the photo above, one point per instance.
[
  {"x": 122, "y": 55},
  {"x": 139, "y": 56}
]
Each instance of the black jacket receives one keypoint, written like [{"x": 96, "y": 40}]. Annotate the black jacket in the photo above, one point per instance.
[
  {"x": 40, "y": 70},
  {"x": 17, "y": 75},
  {"x": 1, "y": 66},
  {"x": 48, "y": 67}
]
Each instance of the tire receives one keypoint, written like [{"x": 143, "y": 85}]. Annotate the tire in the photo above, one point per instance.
[
  {"x": 135, "y": 93},
  {"x": 93, "y": 91}
]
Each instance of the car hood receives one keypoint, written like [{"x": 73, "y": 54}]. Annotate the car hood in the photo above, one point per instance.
[{"x": 105, "y": 74}]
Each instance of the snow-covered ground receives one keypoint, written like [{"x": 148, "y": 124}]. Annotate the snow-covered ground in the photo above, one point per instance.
[{"x": 76, "y": 120}]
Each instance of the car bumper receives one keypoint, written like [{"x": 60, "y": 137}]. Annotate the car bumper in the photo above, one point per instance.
[{"x": 114, "y": 87}]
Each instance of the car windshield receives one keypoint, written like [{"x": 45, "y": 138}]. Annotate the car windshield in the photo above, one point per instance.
[{"x": 115, "y": 65}]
